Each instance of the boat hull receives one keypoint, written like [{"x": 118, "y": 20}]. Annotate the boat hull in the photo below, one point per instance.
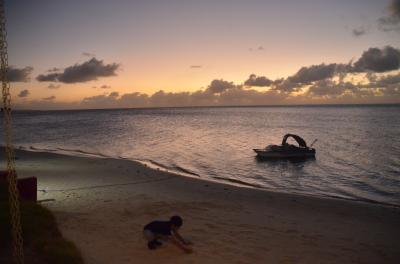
[{"x": 271, "y": 154}]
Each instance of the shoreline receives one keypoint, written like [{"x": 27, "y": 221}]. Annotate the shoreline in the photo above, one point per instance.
[
  {"x": 184, "y": 173},
  {"x": 227, "y": 223}
]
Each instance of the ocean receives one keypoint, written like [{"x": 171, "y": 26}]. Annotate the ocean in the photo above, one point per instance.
[{"x": 357, "y": 152}]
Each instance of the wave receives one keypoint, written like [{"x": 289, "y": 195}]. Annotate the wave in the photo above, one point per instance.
[
  {"x": 79, "y": 152},
  {"x": 65, "y": 151},
  {"x": 181, "y": 169},
  {"x": 85, "y": 152},
  {"x": 176, "y": 169},
  {"x": 238, "y": 182}
]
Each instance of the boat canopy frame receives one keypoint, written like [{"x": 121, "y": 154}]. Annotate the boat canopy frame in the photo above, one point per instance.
[{"x": 299, "y": 140}]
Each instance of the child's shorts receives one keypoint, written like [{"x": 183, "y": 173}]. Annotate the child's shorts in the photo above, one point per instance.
[{"x": 150, "y": 236}]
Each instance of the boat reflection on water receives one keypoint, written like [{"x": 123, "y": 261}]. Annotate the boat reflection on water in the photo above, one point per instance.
[{"x": 292, "y": 160}]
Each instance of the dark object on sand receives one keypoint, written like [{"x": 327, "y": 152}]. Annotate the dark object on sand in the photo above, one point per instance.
[
  {"x": 27, "y": 187},
  {"x": 286, "y": 150}
]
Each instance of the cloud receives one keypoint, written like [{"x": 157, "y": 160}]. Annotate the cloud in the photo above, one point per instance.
[
  {"x": 286, "y": 85},
  {"x": 388, "y": 81},
  {"x": 378, "y": 60},
  {"x": 313, "y": 73},
  {"x": 19, "y": 75},
  {"x": 260, "y": 81},
  {"x": 365, "y": 81},
  {"x": 54, "y": 69},
  {"x": 101, "y": 101},
  {"x": 309, "y": 75},
  {"x": 391, "y": 22},
  {"x": 395, "y": 8},
  {"x": 330, "y": 88},
  {"x": 371, "y": 76},
  {"x": 219, "y": 86},
  {"x": 240, "y": 96},
  {"x": 259, "y": 48},
  {"x": 23, "y": 93},
  {"x": 52, "y": 77},
  {"x": 357, "y": 32},
  {"x": 135, "y": 99},
  {"x": 387, "y": 87},
  {"x": 104, "y": 86},
  {"x": 388, "y": 24},
  {"x": 88, "y": 54},
  {"x": 196, "y": 66},
  {"x": 53, "y": 86},
  {"x": 221, "y": 93},
  {"x": 114, "y": 94},
  {"x": 51, "y": 98},
  {"x": 87, "y": 71},
  {"x": 373, "y": 60},
  {"x": 163, "y": 99}
]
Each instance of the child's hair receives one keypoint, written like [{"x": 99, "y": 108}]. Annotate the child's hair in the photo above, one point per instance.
[{"x": 176, "y": 220}]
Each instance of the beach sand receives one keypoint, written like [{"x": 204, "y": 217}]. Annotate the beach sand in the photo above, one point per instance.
[{"x": 102, "y": 204}]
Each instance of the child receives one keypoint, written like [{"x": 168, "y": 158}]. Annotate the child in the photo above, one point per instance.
[{"x": 164, "y": 231}]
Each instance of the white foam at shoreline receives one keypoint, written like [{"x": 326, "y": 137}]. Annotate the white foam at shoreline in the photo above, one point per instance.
[{"x": 160, "y": 167}]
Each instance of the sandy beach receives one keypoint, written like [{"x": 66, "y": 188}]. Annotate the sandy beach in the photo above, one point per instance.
[{"x": 102, "y": 204}]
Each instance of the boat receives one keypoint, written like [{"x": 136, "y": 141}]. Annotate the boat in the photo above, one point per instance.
[{"x": 286, "y": 150}]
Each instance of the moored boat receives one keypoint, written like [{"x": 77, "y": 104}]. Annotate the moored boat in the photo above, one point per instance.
[{"x": 286, "y": 150}]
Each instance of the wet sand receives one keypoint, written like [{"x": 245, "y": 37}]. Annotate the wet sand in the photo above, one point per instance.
[{"x": 102, "y": 204}]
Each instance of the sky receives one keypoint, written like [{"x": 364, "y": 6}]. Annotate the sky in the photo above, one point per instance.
[{"x": 156, "y": 53}]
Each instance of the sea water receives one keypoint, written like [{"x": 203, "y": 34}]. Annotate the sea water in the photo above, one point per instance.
[{"x": 357, "y": 152}]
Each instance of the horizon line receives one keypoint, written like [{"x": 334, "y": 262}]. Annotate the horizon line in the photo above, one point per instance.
[{"x": 212, "y": 106}]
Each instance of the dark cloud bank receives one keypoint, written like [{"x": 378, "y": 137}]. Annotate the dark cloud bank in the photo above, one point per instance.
[
  {"x": 322, "y": 83},
  {"x": 19, "y": 75},
  {"x": 87, "y": 71},
  {"x": 376, "y": 73},
  {"x": 257, "y": 81},
  {"x": 378, "y": 60},
  {"x": 391, "y": 22}
]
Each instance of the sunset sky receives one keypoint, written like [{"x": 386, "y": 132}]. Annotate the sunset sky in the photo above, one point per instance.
[{"x": 102, "y": 54}]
